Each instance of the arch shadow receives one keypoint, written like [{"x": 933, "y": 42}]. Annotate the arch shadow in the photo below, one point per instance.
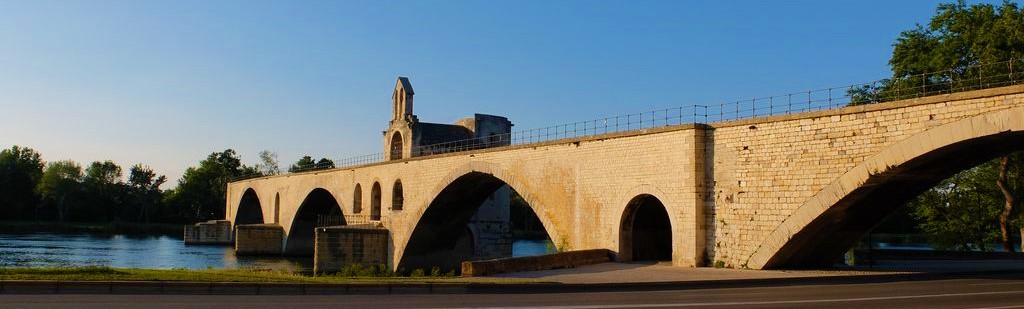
[
  {"x": 318, "y": 209},
  {"x": 249, "y": 209},
  {"x": 439, "y": 238},
  {"x": 829, "y": 223}
]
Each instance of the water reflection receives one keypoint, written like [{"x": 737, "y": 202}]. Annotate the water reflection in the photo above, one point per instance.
[{"x": 159, "y": 252}]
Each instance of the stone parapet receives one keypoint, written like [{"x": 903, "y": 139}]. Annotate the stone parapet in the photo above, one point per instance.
[{"x": 568, "y": 259}]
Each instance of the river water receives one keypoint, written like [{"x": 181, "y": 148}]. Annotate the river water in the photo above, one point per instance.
[{"x": 161, "y": 252}]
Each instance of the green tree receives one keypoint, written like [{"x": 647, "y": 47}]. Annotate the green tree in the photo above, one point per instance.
[
  {"x": 144, "y": 192},
  {"x": 1009, "y": 172},
  {"x": 21, "y": 169},
  {"x": 60, "y": 181},
  {"x": 963, "y": 47},
  {"x": 324, "y": 163},
  {"x": 268, "y": 165},
  {"x": 961, "y": 212},
  {"x": 201, "y": 191},
  {"x": 307, "y": 164},
  {"x": 104, "y": 192}
]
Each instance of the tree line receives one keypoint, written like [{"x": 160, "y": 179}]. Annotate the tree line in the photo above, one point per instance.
[
  {"x": 32, "y": 189},
  {"x": 969, "y": 45}
]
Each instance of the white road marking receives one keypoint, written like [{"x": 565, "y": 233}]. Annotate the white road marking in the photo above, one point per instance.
[
  {"x": 1002, "y": 307},
  {"x": 775, "y": 302},
  {"x": 998, "y": 283}
]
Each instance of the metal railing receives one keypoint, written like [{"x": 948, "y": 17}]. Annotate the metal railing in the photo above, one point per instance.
[{"x": 974, "y": 77}]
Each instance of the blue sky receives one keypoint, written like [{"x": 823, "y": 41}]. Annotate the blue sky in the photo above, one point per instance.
[{"x": 165, "y": 83}]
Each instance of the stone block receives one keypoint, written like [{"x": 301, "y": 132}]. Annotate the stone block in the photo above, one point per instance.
[
  {"x": 259, "y": 239},
  {"x": 339, "y": 246}
]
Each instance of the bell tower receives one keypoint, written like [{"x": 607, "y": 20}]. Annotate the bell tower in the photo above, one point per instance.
[
  {"x": 399, "y": 138},
  {"x": 401, "y": 99}
]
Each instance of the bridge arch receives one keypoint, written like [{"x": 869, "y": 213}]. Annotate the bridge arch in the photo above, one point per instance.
[
  {"x": 453, "y": 202},
  {"x": 319, "y": 208},
  {"x": 687, "y": 247},
  {"x": 249, "y": 209},
  {"x": 833, "y": 219},
  {"x": 645, "y": 230}
]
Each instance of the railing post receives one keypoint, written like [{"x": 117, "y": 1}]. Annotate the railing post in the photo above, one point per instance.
[
  {"x": 789, "y": 109},
  {"x": 829, "y": 97},
  {"x": 808, "y": 101}
]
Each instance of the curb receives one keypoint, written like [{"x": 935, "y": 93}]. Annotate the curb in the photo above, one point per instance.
[{"x": 249, "y": 288}]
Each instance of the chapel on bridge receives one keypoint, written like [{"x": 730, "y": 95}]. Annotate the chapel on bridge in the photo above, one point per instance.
[{"x": 407, "y": 137}]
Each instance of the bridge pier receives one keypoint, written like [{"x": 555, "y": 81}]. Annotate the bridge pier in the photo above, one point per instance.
[
  {"x": 338, "y": 246},
  {"x": 491, "y": 228},
  {"x": 213, "y": 232},
  {"x": 259, "y": 239}
]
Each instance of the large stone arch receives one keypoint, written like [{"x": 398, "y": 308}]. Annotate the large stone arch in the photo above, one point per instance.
[
  {"x": 477, "y": 170},
  {"x": 319, "y": 207},
  {"x": 249, "y": 210},
  {"x": 830, "y": 221}
]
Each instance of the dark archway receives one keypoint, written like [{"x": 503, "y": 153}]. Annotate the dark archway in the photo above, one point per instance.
[
  {"x": 357, "y": 199},
  {"x": 396, "y": 146},
  {"x": 442, "y": 237},
  {"x": 375, "y": 202},
  {"x": 249, "y": 209},
  {"x": 823, "y": 240},
  {"x": 317, "y": 210},
  {"x": 397, "y": 196},
  {"x": 645, "y": 232}
]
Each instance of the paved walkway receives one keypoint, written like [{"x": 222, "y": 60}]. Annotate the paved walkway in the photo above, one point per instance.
[{"x": 624, "y": 273}]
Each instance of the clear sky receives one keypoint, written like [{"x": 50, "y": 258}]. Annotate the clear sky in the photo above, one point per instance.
[{"x": 165, "y": 83}]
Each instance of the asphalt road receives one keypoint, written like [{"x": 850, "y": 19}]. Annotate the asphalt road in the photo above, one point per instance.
[{"x": 991, "y": 291}]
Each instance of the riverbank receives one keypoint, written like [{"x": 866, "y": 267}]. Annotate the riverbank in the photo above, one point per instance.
[
  {"x": 102, "y": 273},
  {"x": 125, "y": 228}
]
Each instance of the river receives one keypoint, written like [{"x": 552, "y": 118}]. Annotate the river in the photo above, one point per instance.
[{"x": 161, "y": 252}]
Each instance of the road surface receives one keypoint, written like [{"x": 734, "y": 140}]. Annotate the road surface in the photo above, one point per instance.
[{"x": 989, "y": 291}]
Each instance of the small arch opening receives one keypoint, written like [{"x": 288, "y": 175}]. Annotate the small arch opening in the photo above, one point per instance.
[
  {"x": 397, "y": 196},
  {"x": 357, "y": 199},
  {"x": 645, "y": 231},
  {"x": 375, "y": 202},
  {"x": 277, "y": 208},
  {"x": 396, "y": 146}
]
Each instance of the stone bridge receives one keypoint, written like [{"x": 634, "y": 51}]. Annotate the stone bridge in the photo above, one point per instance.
[{"x": 770, "y": 192}]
